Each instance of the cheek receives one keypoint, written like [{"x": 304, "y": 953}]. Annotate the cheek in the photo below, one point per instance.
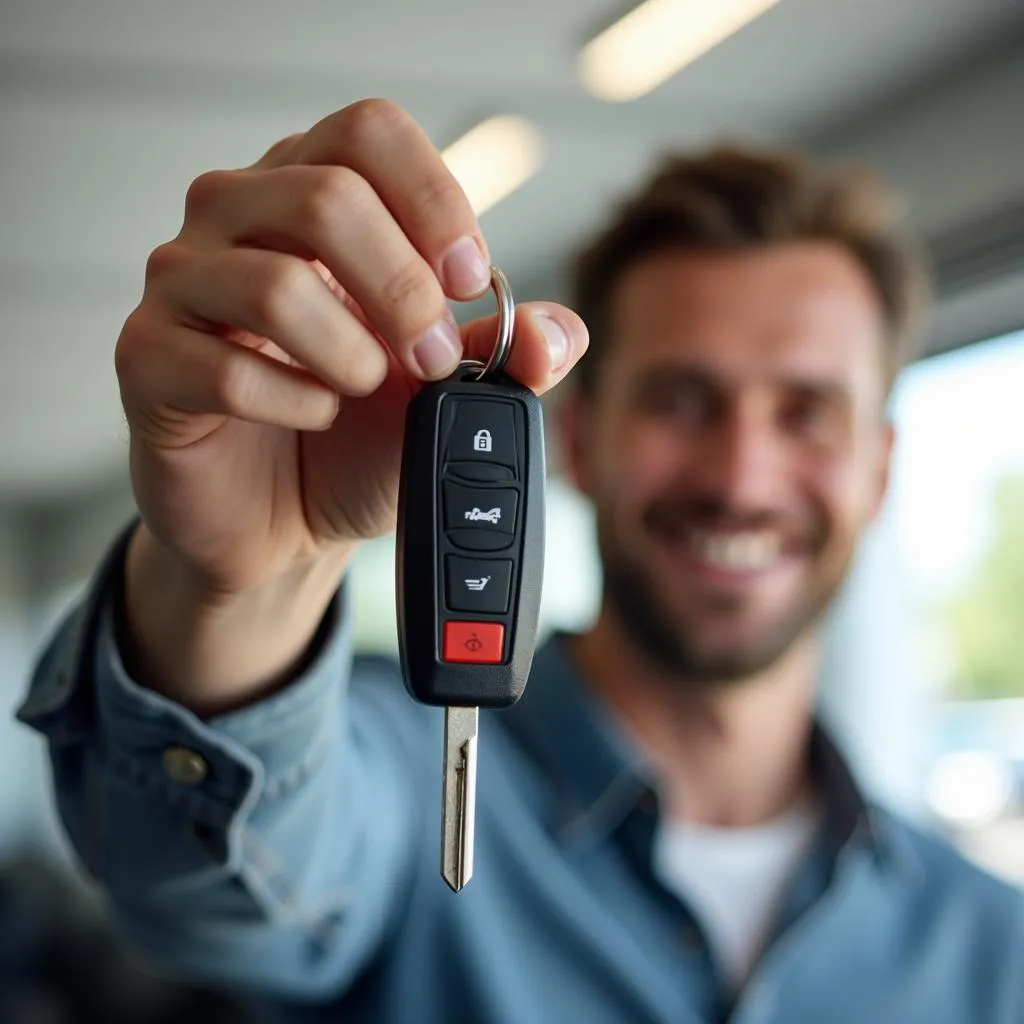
[
  {"x": 638, "y": 461},
  {"x": 843, "y": 489}
]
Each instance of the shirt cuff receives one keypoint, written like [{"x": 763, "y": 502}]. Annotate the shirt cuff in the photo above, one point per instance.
[{"x": 216, "y": 770}]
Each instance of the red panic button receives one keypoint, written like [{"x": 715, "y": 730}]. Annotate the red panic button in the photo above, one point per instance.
[{"x": 476, "y": 642}]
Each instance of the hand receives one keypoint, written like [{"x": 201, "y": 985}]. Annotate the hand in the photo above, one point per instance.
[{"x": 266, "y": 371}]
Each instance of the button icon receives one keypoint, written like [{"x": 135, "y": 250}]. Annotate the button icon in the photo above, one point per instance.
[
  {"x": 477, "y": 584},
  {"x": 479, "y": 642},
  {"x": 484, "y": 510},
  {"x": 475, "y": 515},
  {"x": 483, "y": 431}
]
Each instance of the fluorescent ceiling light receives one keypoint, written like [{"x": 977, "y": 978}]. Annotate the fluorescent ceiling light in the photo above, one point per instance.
[
  {"x": 495, "y": 158},
  {"x": 656, "y": 40}
]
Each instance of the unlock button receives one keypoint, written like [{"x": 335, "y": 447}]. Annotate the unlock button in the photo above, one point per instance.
[{"x": 483, "y": 431}]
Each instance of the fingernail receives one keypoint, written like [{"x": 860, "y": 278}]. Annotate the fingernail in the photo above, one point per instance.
[
  {"x": 438, "y": 351},
  {"x": 464, "y": 269},
  {"x": 556, "y": 338}
]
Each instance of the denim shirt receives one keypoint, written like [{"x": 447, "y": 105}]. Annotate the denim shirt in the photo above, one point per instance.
[{"x": 299, "y": 859}]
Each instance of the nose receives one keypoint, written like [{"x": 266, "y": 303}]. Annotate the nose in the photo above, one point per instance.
[{"x": 743, "y": 460}]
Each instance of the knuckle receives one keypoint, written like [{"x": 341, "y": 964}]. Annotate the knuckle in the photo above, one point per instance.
[
  {"x": 367, "y": 120},
  {"x": 234, "y": 384},
  {"x": 136, "y": 351},
  {"x": 410, "y": 295},
  {"x": 440, "y": 195},
  {"x": 205, "y": 192},
  {"x": 274, "y": 288},
  {"x": 280, "y": 150},
  {"x": 331, "y": 190},
  {"x": 163, "y": 258},
  {"x": 128, "y": 348},
  {"x": 364, "y": 373}
]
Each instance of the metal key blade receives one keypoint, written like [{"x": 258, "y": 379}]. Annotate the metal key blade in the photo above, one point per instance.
[{"x": 458, "y": 815}]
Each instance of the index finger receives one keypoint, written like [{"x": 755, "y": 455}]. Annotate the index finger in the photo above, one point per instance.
[{"x": 386, "y": 147}]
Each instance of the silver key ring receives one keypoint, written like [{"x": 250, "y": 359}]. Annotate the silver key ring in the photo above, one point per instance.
[{"x": 506, "y": 328}]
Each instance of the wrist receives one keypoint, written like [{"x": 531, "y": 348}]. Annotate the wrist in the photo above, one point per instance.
[{"x": 210, "y": 650}]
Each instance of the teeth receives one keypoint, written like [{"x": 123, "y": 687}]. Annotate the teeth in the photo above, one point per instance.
[{"x": 739, "y": 552}]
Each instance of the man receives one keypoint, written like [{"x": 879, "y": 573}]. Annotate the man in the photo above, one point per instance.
[{"x": 663, "y": 832}]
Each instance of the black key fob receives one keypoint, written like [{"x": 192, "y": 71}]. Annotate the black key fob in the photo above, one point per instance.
[{"x": 470, "y": 541}]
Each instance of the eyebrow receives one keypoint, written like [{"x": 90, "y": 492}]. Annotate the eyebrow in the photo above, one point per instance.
[{"x": 669, "y": 376}]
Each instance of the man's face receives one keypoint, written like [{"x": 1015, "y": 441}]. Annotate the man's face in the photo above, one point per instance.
[{"x": 734, "y": 449}]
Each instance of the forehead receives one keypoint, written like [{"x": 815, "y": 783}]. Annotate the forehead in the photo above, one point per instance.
[{"x": 798, "y": 309}]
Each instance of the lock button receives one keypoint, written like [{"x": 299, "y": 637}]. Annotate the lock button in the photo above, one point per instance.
[{"x": 483, "y": 431}]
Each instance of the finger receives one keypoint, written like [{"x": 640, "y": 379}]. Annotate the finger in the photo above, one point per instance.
[
  {"x": 280, "y": 152},
  {"x": 384, "y": 145},
  {"x": 333, "y": 215},
  {"x": 549, "y": 339},
  {"x": 282, "y": 298},
  {"x": 170, "y": 378}
]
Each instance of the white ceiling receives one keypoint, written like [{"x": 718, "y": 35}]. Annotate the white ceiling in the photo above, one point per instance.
[{"x": 109, "y": 108}]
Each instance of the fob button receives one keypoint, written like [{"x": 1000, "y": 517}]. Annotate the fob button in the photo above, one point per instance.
[
  {"x": 477, "y": 584},
  {"x": 479, "y": 642},
  {"x": 490, "y": 509},
  {"x": 483, "y": 432}
]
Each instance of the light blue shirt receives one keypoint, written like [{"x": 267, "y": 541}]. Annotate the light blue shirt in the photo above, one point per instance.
[{"x": 303, "y": 865}]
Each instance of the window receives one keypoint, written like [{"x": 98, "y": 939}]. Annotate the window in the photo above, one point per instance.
[{"x": 958, "y": 510}]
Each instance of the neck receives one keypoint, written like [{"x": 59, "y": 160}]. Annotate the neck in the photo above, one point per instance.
[{"x": 731, "y": 754}]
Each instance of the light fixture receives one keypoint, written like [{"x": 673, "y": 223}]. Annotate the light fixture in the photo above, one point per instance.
[
  {"x": 656, "y": 40},
  {"x": 495, "y": 158}
]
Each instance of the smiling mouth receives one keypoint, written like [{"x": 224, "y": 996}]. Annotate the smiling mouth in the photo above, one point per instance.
[
  {"x": 726, "y": 553},
  {"x": 743, "y": 552}
]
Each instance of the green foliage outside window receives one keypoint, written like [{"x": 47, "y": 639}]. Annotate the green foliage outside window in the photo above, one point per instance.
[{"x": 986, "y": 620}]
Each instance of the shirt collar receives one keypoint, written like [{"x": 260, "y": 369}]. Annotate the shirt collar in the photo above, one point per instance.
[
  {"x": 597, "y": 774},
  {"x": 600, "y": 778}
]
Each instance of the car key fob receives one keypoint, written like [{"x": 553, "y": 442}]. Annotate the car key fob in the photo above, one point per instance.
[
  {"x": 470, "y": 542},
  {"x": 470, "y": 561}
]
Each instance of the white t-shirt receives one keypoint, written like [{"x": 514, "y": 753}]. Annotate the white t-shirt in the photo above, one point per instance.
[{"x": 734, "y": 879}]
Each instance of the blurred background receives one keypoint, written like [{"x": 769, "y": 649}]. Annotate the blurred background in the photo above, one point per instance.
[{"x": 109, "y": 108}]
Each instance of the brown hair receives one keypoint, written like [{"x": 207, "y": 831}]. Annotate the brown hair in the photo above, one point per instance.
[{"x": 731, "y": 198}]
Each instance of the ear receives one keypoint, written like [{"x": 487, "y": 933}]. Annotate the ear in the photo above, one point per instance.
[
  {"x": 883, "y": 471},
  {"x": 573, "y": 416}
]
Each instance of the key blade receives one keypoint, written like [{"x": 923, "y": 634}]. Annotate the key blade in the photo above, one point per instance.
[{"x": 458, "y": 814}]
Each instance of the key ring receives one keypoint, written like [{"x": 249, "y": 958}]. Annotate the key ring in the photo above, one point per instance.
[{"x": 506, "y": 328}]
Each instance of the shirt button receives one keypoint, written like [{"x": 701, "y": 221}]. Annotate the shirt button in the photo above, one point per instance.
[{"x": 184, "y": 766}]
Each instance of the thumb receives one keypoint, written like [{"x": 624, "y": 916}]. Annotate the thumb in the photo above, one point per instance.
[{"x": 548, "y": 341}]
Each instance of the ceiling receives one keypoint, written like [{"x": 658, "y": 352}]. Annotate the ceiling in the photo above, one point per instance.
[{"x": 109, "y": 108}]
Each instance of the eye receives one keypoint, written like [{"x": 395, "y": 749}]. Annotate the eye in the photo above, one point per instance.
[
  {"x": 686, "y": 401},
  {"x": 810, "y": 412}
]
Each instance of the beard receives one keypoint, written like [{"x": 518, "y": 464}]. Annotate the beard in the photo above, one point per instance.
[{"x": 677, "y": 646}]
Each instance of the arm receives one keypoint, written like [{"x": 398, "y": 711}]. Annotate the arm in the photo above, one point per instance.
[
  {"x": 265, "y": 376},
  {"x": 285, "y": 865}
]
